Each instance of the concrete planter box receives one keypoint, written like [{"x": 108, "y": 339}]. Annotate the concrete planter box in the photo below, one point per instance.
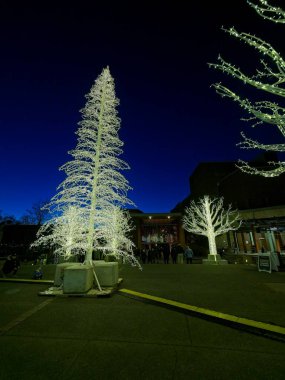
[
  {"x": 59, "y": 272},
  {"x": 214, "y": 260},
  {"x": 107, "y": 272},
  {"x": 78, "y": 279}
]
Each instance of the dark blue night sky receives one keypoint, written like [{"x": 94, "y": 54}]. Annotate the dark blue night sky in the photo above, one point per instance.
[{"x": 157, "y": 54}]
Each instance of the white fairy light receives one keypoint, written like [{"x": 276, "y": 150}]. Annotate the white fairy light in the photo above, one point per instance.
[
  {"x": 64, "y": 233},
  {"x": 269, "y": 12},
  {"x": 94, "y": 182},
  {"x": 207, "y": 217},
  {"x": 270, "y": 78},
  {"x": 114, "y": 232}
]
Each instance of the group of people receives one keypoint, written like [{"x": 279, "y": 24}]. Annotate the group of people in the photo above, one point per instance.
[
  {"x": 12, "y": 265},
  {"x": 148, "y": 255},
  {"x": 155, "y": 253}
]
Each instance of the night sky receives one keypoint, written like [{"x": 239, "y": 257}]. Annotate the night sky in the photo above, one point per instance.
[{"x": 157, "y": 53}]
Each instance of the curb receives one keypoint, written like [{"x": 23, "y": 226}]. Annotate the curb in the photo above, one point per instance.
[
  {"x": 26, "y": 281},
  {"x": 259, "y": 328}
]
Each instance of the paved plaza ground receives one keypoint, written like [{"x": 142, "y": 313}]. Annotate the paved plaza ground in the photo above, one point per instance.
[{"x": 124, "y": 338}]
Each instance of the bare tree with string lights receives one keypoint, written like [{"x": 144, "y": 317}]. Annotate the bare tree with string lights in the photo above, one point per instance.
[
  {"x": 208, "y": 217},
  {"x": 270, "y": 78}
]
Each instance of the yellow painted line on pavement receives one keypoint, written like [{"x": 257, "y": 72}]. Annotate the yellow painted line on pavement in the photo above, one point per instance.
[
  {"x": 211, "y": 313},
  {"x": 26, "y": 280}
]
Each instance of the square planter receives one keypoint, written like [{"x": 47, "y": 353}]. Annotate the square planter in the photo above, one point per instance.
[
  {"x": 215, "y": 260},
  {"x": 78, "y": 279},
  {"x": 59, "y": 272},
  {"x": 107, "y": 272}
]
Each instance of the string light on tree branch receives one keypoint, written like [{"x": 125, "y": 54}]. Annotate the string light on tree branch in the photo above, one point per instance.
[
  {"x": 268, "y": 11},
  {"x": 269, "y": 78},
  {"x": 207, "y": 217},
  {"x": 94, "y": 188}
]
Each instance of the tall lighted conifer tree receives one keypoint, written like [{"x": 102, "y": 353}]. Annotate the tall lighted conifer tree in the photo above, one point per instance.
[
  {"x": 94, "y": 181},
  {"x": 269, "y": 78}
]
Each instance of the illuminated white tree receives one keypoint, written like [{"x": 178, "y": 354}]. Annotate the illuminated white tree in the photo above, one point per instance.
[
  {"x": 115, "y": 231},
  {"x": 269, "y": 78},
  {"x": 65, "y": 234},
  {"x": 207, "y": 217},
  {"x": 93, "y": 177}
]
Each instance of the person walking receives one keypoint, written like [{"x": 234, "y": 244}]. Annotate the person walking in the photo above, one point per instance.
[
  {"x": 188, "y": 254},
  {"x": 143, "y": 255},
  {"x": 166, "y": 253},
  {"x": 174, "y": 253}
]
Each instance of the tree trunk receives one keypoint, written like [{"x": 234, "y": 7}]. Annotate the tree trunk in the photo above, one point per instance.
[
  {"x": 90, "y": 237},
  {"x": 212, "y": 245},
  {"x": 210, "y": 230}
]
